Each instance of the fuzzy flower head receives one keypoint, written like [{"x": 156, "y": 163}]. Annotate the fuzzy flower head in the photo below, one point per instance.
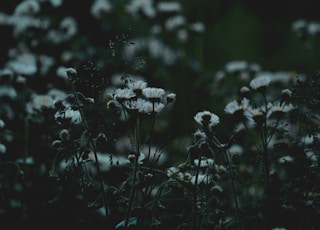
[
  {"x": 137, "y": 86},
  {"x": 204, "y": 162},
  {"x": 171, "y": 97},
  {"x": 153, "y": 94},
  {"x": 237, "y": 109},
  {"x": 259, "y": 114},
  {"x": 207, "y": 119},
  {"x": 260, "y": 83},
  {"x": 124, "y": 94},
  {"x": 279, "y": 109}
]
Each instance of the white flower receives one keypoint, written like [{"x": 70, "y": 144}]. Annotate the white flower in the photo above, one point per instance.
[
  {"x": 71, "y": 71},
  {"x": 280, "y": 108},
  {"x": 313, "y": 28},
  {"x": 8, "y": 91},
  {"x": 259, "y": 114},
  {"x": 155, "y": 155},
  {"x": 206, "y": 118},
  {"x": 152, "y": 93},
  {"x": 259, "y": 82},
  {"x": 198, "y": 134},
  {"x": 2, "y": 124},
  {"x": 25, "y": 64},
  {"x": 100, "y": 7},
  {"x": 69, "y": 114},
  {"x": 299, "y": 25},
  {"x": 137, "y": 86},
  {"x": 124, "y": 94},
  {"x": 146, "y": 6},
  {"x": 171, "y": 97},
  {"x": 148, "y": 107},
  {"x": 175, "y": 22},
  {"x": 172, "y": 171},
  {"x": 204, "y": 162},
  {"x": 285, "y": 159},
  {"x": 41, "y": 101},
  {"x": 30, "y": 7},
  {"x": 202, "y": 179},
  {"x": 73, "y": 115},
  {"x": 197, "y": 27},
  {"x": 169, "y": 6},
  {"x": 233, "y": 106},
  {"x": 236, "y": 66},
  {"x": 3, "y": 148}
]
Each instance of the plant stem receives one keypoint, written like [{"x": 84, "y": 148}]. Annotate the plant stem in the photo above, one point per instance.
[
  {"x": 94, "y": 152},
  {"x": 195, "y": 193}
]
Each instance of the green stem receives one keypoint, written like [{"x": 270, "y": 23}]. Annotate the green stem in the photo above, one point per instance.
[
  {"x": 195, "y": 194},
  {"x": 94, "y": 151}
]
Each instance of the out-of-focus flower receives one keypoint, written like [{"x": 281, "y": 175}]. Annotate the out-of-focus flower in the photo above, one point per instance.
[
  {"x": 101, "y": 7},
  {"x": 154, "y": 47},
  {"x": 259, "y": 114},
  {"x": 202, "y": 179},
  {"x": 2, "y": 124},
  {"x": 3, "y": 148},
  {"x": 8, "y": 91},
  {"x": 174, "y": 22},
  {"x": 30, "y": 7},
  {"x": 40, "y": 101},
  {"x": 24, "y": 64},
  {"x": 235, "y": 67},
  {"x": 197, "y": 27},
  {"x": 299, "y": 27},
  {"x": 285, "y": 159},
  {"x": 313, "y": 28},
  {"x": 204, "y": 162},
  {"x": 154, "y": 154},
  {"x": 279, "y": 108},
  {"x": 169, "y": 7},
  {"x": 67, "y": 29},
  {"x": 145, "y": 6},
  {"x": 236, "y": 108},
  {"x": 260, "y": 83}
]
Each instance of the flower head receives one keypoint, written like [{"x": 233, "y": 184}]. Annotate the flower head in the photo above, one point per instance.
[
  {"x": 260, "y": 83},
  {"x": 123, "y": 94},
  {"x": 153, "y": 94},
  {"x": 137, "y": 86},
  {"x": 207, "y": 119},
  {"x": 279, "y": 108}
]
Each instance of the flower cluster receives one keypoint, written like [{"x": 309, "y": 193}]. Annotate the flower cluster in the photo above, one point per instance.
[{"x": 136, "y": 96}]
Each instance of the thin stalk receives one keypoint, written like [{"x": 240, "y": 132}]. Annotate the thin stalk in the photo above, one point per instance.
[
  {"x": 195, "y": 194},
  {"x": 132, "y": 191},
  {"x": 232, "y": 182},
  {"x": 135, "y": 171},
  {"x": 94, "y": 152},
  {"x": 265, "y": 158}
]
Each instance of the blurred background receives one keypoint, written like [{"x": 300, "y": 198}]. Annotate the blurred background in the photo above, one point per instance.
[{"x": 181, "y": 46}]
